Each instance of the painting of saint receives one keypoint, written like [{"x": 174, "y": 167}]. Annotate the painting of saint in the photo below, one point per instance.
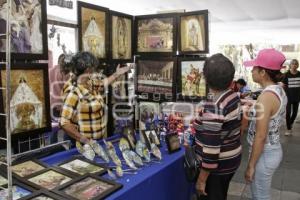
[
  {"x": 29, "y": 98},
  {"x": 192, "y": 33},
  {"x": 121, "y": 37},
  {"x": 27, "y": 28},
  {"x": 93, "y": 30},
  {"x": 27, "y": 168},
  {"x": 192, "y": 80}
]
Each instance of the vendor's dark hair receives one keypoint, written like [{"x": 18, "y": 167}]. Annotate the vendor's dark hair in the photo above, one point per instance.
[
  {"x": 275, "y": 75},
  {"x": 218, "y": 72},
  {"x": 80, "y": 62},
  {"x": 241, "y": 82}
]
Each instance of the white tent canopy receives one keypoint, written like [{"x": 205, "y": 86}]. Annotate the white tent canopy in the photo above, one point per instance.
[{"x": 231, "y": 21}]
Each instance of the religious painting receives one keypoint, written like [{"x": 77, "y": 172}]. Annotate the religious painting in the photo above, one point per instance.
[
  {"x": 43, "y": 195},
  {"x": 192, "y": 84},
  {"x": 156, "y": 34},
  {"x": 173, "y": 142},
  {"x": 27, "y": 168},
  {"x": 121, "y": 36},
  {"x": 93, "y": 29},
  {"x": 49, "y": 178},
  {"x": 156, "y": 76},
  {"x": 88, "y": 187},
  {"x": 82, "y": 166},
  {"x": 28, "y": 29},
  {"x": 29, "y": 103},
  {"x": 149, "y": 113},
  {"x": 193, "y": 32}
]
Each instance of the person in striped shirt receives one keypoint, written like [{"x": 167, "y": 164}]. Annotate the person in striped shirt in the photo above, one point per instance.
[
  {"x": 218, "y": 132},
  {"x": 292, "y": 88}
]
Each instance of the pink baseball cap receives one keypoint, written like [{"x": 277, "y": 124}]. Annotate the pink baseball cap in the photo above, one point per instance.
[{"x": 268, "y": 59}]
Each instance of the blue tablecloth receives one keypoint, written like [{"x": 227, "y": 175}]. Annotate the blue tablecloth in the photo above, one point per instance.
[{"x": 160, "y": 181}]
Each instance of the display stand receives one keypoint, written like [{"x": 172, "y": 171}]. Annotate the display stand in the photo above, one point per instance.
[{"x": 7, "y": 88}]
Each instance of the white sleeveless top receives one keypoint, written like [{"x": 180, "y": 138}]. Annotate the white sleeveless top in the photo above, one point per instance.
[{"x": 276, "y": 120}]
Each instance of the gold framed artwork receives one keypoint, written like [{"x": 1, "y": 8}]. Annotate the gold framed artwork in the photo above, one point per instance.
[
  {"x": 193, "y": 32},
  {"x": 121, "y": 36},
  {"x": 29, "y": 103},
  {"x": 156, "y": 34},
  {"x": 93, "y": 29},
  {"x": 28, "y": 30}
]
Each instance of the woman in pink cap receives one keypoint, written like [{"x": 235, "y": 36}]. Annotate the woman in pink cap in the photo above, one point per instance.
[{"x": 266, "y": 117}]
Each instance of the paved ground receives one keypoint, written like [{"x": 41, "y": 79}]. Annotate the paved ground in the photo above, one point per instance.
[{"x": 286, "y": 180}]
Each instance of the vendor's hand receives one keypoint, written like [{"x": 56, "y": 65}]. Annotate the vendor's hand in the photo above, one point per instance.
[
  {"x": 122, "y": 70},
  {"x": 84, "y": 140},
  {"x": 200, "y": 187},
  {"x": 249, "y": 174}
]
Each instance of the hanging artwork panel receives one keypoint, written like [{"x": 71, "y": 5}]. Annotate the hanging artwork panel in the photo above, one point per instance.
[
  {"x": 121, "y": 36},
  {"x": 28, "y": 30},
  {"x": 29, "y": 103},
  {"x": 193, "y": 32},
  {"x": 156, "y": 34},
  {"x": 93, "y": 29},
  {"x": 191, "y": 82}
]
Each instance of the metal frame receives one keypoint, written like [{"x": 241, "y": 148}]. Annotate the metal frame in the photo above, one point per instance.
[{"x": 7, "y": 63}]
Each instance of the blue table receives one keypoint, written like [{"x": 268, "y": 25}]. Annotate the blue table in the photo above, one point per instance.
[{"x": 155, "y": 181}]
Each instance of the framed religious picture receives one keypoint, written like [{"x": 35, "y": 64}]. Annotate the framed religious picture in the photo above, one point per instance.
[
  {"x": 49, "y": 178},
  {"x": 156, "y": 34},
  {"x": 173, "y": 142},
  {"x": 43, "y": 195},
  {"x": 93, "y": 29},
  {"x": 155, "y": 78},
  {"x": 82, "y": 166},
  {"x": 22, "y": 169},
  {"x": 19, "y": 190},
  {"x": 129, "y": 134},
  {"x": 193, "y": 32},
  {"x": 29, "y": 103},
  {"x": 88, "y": 187},
  {"x": 28, "y": 30},
  {"x": 151, "y": 136},
  {"x": 149, "y": 113},
  {"x": 121, "y": 31},
  {"x": 191, "y": 81}
]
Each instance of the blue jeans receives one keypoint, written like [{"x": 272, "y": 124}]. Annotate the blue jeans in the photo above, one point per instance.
[{"x": 268, "y": 162}]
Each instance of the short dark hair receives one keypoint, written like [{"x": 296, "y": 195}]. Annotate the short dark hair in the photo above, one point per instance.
[
  {"x": 241, "y": 82},
  {"x": 82, "y": 61},
  {"x": 218, "y": 71},
  {"x": 275, "y": 75}
]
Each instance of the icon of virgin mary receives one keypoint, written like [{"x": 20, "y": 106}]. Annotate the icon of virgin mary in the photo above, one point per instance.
[
  {"x": 25, "y": 109},
  {"x": 93, "y": 40}
]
